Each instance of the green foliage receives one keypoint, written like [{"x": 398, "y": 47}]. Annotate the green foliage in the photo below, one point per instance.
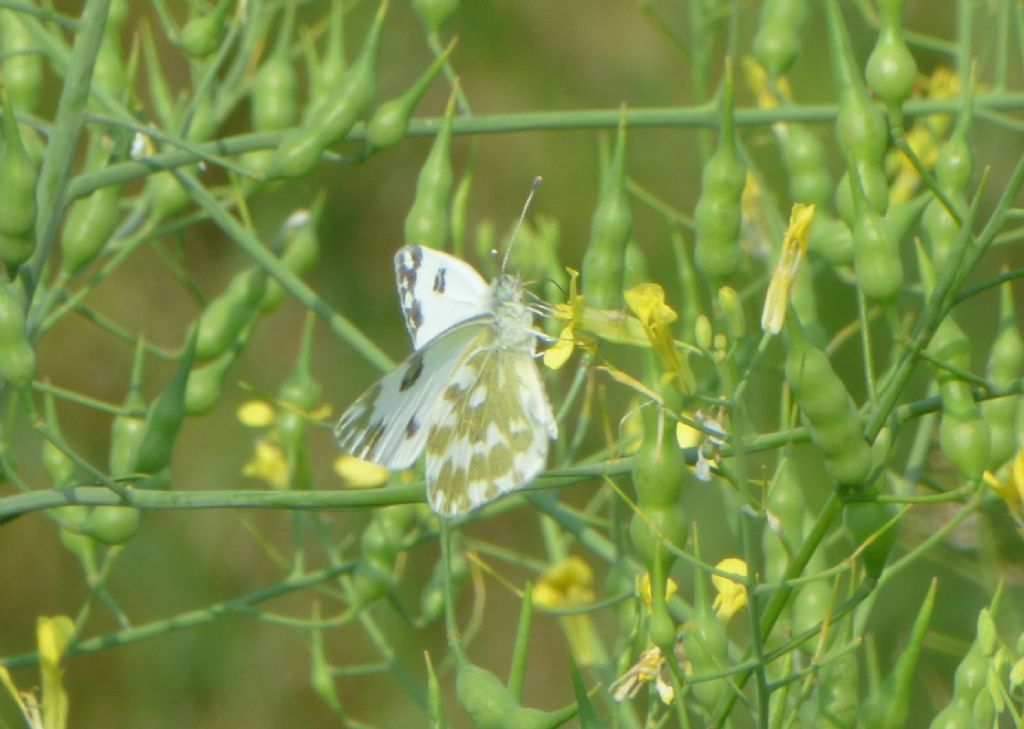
[{"x": 199, "y": 203}]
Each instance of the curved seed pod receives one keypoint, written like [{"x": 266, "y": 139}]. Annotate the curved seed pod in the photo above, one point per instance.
[
  {"x": 611, "y": 226},
  {"x": 718, "y": 214},
  {"x": 429, "y": 218}
]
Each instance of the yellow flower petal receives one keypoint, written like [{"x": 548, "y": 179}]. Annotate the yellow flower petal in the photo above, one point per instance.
[
  {"x": 645, "y": 589},
  {"x": 559, "y": 353},
  {"x": 732, "y": 595},
  {"x": 1011, "y": 488},
  {"x": 256, "y": 414},
  {"x": 360, "y": 474},
  {"x": 794, "y": 248},
  {"x": 647, "y": 301},
  {"x": 52, "y": 636},
  {"x": 567, "y": 585},
  {"x": 268, "y": 465}
]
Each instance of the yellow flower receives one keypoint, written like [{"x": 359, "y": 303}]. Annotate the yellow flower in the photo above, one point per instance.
[
  {"x": 568, "y": 584},
  {"x": 944, "y": 83},
  {"x": 732, "y": 595},
  {"x": 649, "y": 667},
  {"x": 645, "y": 589},
  {"x": 572, "y": 311},
  {"x": 794, "y": 248},
  {"x": 647, "y": 301},
  {"x": 52, "y": 636},
  {"x": 256, "y": 414},
  {"x": 1011, "y": 487},
  {"x": 757, "y": 81},
  {"x": 268, "y": 465},
  {"x": 360, "y": 474}
]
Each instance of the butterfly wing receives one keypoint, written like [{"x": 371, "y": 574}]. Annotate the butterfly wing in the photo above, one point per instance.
[
  {"x": 491, "y": 432},
  {"x": 388, "y": 424},
  {"x": 437, "y": 291}
]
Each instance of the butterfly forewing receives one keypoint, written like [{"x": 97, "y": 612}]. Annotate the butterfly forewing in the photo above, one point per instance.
[
  {"x": 471, "y": 393},
  {"x": 388, "y": 424},
  {"x": 492, "y": 431},
  {"x": 437, "y": 291}
]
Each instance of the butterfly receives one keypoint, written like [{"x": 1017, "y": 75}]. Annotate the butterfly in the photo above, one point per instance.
[{"x": 470, "y": 394}]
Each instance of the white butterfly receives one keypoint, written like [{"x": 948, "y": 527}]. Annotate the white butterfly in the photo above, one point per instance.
[{"x": 470, "y": 393}]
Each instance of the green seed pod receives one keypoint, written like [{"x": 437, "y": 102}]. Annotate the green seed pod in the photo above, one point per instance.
[
  {"x": 492, "y": 706},
  {"x": 434, "y": 13},
  {"x": 778, "y": 38},
  {"x": 953, "y": 169},
  {"x": 706, "y": 643},
  {"x": 831, "y": 239},
  {"x": 379, "y": 546},
  {"x": 167, "y": 196},
  {"x": 350, "y": 100},
  {"x": 862, "y": 520},
  {"x": 963, "y": 433},
  {"x": 433, "y": 595},
  {"x": 325, "y": 73},
  {"x": 1004, "y": 366},
  {"x": 839, "y": 693},
  {"x": 18, "y": 176},
  {"x": 299, "y": 394},
  {"x": 873, "y": 184},
  {"x": 89, "y": 225},
  {"x": 718, "y": 214},
  {"x": 785, "y": 514},
  {"x": 274, "y": 95},
  {"x": 611, "y": 227},
  {"x": 889, "y": 706},
  {"x": 968, "y": 682},
  {"x": 827, "y": 410},
  {"x": 891, "y": 70},
  {"x": 860, "y": 126},
  {"x": 22, "y": 64},
  {"x": 806, "y": 161},
  {"x": 389, "y": 122},
  {"x": 206, "y": 382},
  {"x": 110, "y": 74},
  {"x": 17, "y": 358},
  {"x": 301, "y": 250},
  {"x": 202, "y": 35},
  {"x": 60, "y": 468},
  {"x": 112, "y": 525},
  {"x": 81, "y": 546},
  {"x": 91, "y": 221},
  {"x": 876, "y": 252},
  {"x": 127, "y": 430},
  {"x": 165, "y": 415},
  {"x": 429, "y": 218},
  {"x": 811, "y": 605},
  {"x": 226, "y": 316}
]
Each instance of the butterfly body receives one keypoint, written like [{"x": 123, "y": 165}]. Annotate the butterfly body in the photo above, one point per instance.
[{"x": 470, "y": 394}]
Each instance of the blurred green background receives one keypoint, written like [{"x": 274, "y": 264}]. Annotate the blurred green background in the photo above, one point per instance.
[{"x": 511, "y": 57}]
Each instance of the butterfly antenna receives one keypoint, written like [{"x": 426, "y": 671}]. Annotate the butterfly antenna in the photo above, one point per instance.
[{"x": 519, "y": 223}]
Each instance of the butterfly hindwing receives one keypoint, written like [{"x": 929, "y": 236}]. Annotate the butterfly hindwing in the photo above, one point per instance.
[
  {"x": 492, "y": 431},
  {"x": 388, "y": 424},
  {"x": 437, "y": 291},
  {"x": 471, "y": 393}
]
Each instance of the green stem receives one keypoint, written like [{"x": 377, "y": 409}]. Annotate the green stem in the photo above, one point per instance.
[
  {"x": 60, "y": 151},
  {"x": 189, "y": 619}
]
